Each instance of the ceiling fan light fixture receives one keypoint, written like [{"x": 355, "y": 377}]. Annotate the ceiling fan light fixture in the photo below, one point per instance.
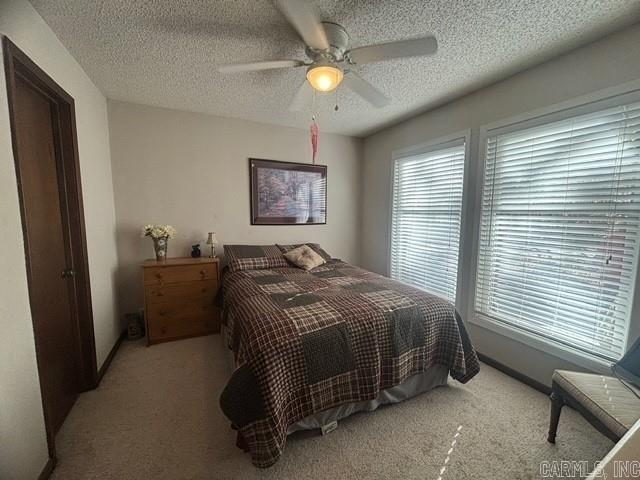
[{"x": 324, "y": 77}]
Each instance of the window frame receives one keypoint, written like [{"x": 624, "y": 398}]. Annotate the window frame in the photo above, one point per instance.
[
  {"x": 579, "y": 106},
  {"x": 440, "y": 143}
]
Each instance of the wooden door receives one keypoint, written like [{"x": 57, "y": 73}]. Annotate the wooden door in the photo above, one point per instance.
[{"x": 47, "y": 241}]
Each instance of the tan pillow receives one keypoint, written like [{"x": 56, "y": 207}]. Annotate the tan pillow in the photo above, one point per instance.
[{"x": 304, "y": 257}]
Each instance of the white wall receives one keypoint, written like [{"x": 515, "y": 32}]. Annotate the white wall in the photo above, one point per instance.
[
  {"x": 609, "y": 62},
  {"x": 23, "y": 449},
  {"x": 191, "y": 171}
]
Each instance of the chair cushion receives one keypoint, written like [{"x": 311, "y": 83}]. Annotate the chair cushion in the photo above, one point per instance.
[{"x": 605, "y": 397}]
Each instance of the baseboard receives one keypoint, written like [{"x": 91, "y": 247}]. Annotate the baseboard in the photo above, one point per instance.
[
  {"x": 48, "y": 469},
  {"x": 107, "y": 361},
  {"x": 515, "y": 374}
]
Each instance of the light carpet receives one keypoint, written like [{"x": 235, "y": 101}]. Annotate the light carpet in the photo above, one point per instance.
[{"x": 156, "y": 416}]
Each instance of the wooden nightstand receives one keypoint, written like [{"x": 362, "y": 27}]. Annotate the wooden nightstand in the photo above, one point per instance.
[{"x": 179, "y": 296}]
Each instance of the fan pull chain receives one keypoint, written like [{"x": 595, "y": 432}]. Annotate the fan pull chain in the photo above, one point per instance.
[{"x": 313, "y": 105}]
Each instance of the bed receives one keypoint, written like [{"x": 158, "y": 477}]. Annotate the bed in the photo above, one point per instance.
[{"x": 311, "y": 347}]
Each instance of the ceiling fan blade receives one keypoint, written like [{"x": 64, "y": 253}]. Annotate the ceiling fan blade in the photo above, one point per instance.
[
  {"x": 371, "y": 94},
  {"x": 255, "y": 66},
  {"x": 302, "y": 98},
  {"x": 304, "y": 18},
  {"x": 414, "y": 47}
]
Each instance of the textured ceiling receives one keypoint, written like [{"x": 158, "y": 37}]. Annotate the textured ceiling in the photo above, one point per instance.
[{"x": 165, "y": 52}]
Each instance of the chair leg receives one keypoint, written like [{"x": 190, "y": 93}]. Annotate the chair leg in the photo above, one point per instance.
[{"x": 556, "y": 407}]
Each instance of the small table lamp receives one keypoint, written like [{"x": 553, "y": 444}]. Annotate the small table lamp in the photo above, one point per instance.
[{"x": 212, "y": 240}]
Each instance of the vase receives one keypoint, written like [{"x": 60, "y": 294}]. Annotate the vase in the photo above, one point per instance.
[{"x": 160, "y": 246}]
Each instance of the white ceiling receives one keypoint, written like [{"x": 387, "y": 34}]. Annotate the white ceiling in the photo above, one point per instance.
[{"x": 165, "y": 52}]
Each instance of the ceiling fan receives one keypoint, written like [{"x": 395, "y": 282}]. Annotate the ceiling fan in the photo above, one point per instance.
[{"x": 331, "y": 58}]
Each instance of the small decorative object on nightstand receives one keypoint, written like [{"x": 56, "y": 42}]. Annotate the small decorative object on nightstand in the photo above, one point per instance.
[
  {"x": 212, "y": 240},
  {"x": 195, "y": 251},
  {"x": 179, "y": 298}
]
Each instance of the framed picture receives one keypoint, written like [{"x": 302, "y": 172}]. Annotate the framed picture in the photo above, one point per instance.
[{"x": 287, "y": 193}]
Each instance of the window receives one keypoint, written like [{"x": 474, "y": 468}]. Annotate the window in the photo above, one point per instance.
[
  {"x": 560, "y": 228},
  {"x": 426, "y": 213}
]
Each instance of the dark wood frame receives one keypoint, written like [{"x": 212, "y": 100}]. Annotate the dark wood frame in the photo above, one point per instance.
[
  {"x": 253, "y": 183},
  {"x": 17, "y": 64}
]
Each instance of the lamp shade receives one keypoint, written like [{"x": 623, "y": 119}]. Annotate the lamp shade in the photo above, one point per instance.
[
  {"x": 324, "y": 77},
  {"x": 211, "y": 239}
]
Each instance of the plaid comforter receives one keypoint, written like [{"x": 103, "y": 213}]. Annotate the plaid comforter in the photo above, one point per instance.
[{"x": 308, "y": 341}]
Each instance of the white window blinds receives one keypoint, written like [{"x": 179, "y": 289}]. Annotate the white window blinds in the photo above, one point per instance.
[
  {"x": 560, "y": 228},
  {"x": 425, "y": 226}
]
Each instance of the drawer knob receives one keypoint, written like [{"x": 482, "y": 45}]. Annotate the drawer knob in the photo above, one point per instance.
[
  {"x": 158, "y": 275},
  {"x": 203, "y": 273}
]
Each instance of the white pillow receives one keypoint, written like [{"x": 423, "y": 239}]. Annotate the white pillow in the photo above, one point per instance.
[{"x": 304, "y": 257}]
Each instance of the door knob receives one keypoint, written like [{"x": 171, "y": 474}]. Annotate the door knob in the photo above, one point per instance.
[{"x": 67, "y": 273}]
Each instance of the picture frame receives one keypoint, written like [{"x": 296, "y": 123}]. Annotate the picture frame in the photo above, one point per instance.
[{"x": 287, "y": 193}]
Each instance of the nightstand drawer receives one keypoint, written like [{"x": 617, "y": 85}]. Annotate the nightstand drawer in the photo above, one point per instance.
[
  {"x": 170, "y": 328},
  {"x": 179, "y": 310},
  {"x": 180, "y": 273},
  {"x": 188, "y": 291}
]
